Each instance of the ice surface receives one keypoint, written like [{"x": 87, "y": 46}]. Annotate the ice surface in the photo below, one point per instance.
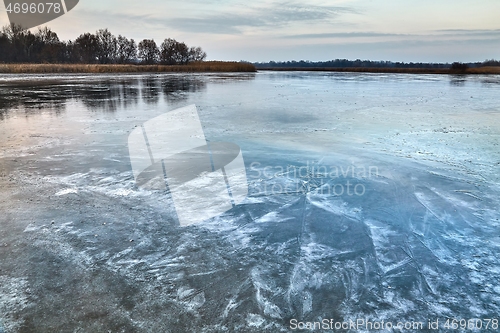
[{"x": 369, "y": 196}]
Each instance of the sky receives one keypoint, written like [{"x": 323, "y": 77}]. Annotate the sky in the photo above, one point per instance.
[{"x": 264, "y": 30}]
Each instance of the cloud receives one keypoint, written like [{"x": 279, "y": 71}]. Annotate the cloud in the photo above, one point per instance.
[
  {"x": 470, "y": 32},
  {"x": 217, "y": 24},
  {"x": 435, "y": 33},
  {"x": 276, "y": 15},
  {"x": 344, "y": 35}
]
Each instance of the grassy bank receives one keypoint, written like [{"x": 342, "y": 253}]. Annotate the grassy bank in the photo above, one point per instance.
[
  {"x": 478, "y": 70},
  {"x": 206, "y": 66}
]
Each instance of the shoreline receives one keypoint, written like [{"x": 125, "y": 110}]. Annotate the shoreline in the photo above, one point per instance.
[
  {"x": 222, "y": 66},
  {"x": 201, "y": 67},
  {"x": 478, "y": 70}
]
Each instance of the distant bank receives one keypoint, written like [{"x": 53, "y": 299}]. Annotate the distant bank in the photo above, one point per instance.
[
  {"x": 200, "y": 67},
  {"x": 477, "y": 70},
  {"x": 491, "y": 66}
]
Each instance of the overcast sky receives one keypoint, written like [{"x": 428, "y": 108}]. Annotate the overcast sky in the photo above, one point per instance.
[{"x": 263, "y": 30}]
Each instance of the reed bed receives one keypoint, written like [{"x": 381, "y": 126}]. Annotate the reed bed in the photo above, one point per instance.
[
  {"x": 206, "y": 66},
  {"x": 484, "y": 70}
]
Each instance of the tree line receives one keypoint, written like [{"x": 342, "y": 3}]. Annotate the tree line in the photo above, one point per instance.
[
  {"x": 102, "y": 47},
  {"x": 345, "y": 63}
]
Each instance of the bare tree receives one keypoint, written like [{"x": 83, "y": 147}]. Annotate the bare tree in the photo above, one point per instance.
[
  {"x": 148, "y": 51},
  {"x": 22, "y": 43},
  {"x": 196, "y": 54},
  {"x": 49, "y": 46},
  {"x": 167, "y": 51},
  {"x": 182, "y": 51},
  {"x": 12, "y": 31},
  {"x": 173, "y": 52},
  {"x": 5, "y": 47},
  {"x": 87, "y": 48},
  {"x": 47, "y": 36},
  {"x": 107, "y": 46},
  {"x": 126, "y": 50}
]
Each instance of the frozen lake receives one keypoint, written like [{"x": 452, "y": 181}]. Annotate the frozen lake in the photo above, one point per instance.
[{"x": 370, "y": 196}]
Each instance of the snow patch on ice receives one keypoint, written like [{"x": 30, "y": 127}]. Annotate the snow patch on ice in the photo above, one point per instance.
[
  {"x": 66, "y": 191},
  {"x": 335, "y": 206},
  {"x": 262, "y": 289},
  {"x": 254, "y": 320},
  {"x": 273, "y": 217},
  {"x": 192, "y": 299},
  {"x": 122, "y": 192},
  {"x": 14, "y": 294}
]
